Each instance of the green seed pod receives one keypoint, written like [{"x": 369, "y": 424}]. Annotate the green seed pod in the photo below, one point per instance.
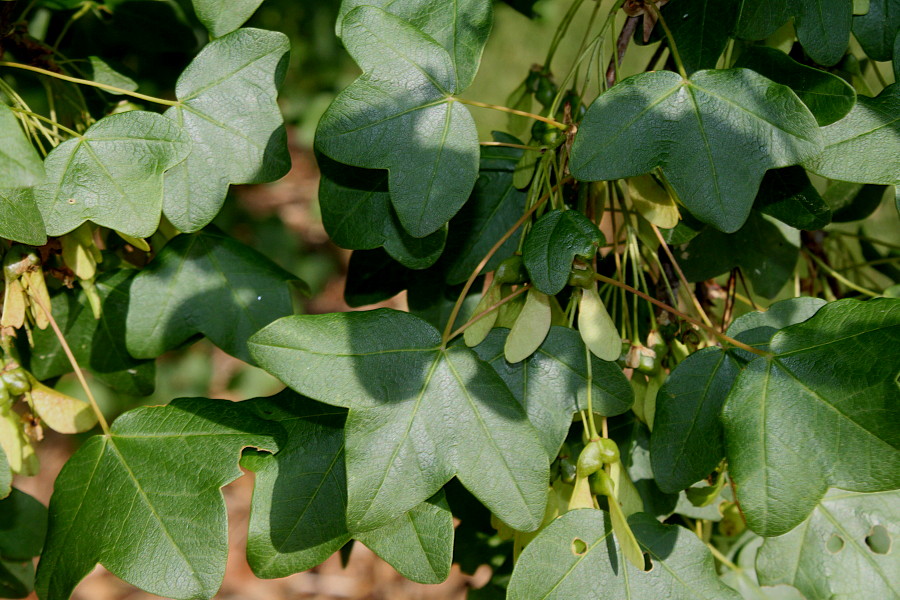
[
  {"x": 511, "y": 271},
  {"x": 602, "y": 484},
  {"x": 5, "y": 399},
  {"x": 609, "y": 450},
  {"x": 546, "y": 91},
  {"x": 590, "y": 460},
  {"x": 16, "y": 381},
  {"x": 567, "y": 469},
  {"x": 583, "y": 278}
]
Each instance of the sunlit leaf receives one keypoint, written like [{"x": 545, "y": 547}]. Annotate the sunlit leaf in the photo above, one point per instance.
[
  {"x": 713, "y": 136},
  {"x": 226, "y": 104},
  {"x": 223, "y": 17},
  {"x": 155, "y": 480},
  {"x": 419, "y": 414},
  {"x": 846, "y": 547},
  {"x": 821, "y": 412},
  {"x": 578, "y": 557},
  {"x": 20, "y": 165},
  {"x": 112, "y": 174},
  {"x": 20, "y": 219},
  {"x": 400, "y": 115}
]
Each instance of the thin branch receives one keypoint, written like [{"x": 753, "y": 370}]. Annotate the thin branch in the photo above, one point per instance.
[
  {"x": 681, "y": 315},
  {"x": 511, "y": 111},
  {"x": 102, "y": 86},
  {"x": 65, "y": 346},
  {"x": 684, "y": 281},
  {"x": 489, "y": 310}
]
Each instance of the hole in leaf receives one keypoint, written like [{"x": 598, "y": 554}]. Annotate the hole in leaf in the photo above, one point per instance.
[
  {"x": 648, "y": 564},
  {"x": 835, "y": 544},
  {"x": 879, "y": 541},
  {"x": 579, "y": 547}
]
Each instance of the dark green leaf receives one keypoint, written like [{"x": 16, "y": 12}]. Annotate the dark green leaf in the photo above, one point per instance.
[
  {"x": 224, "y": 17},
  {"x": 761, "y": 18},
  {"x": 577, "y": 557},
  {"x": 827, "y": 96},
  {"x": 789, "y": 196},
  {"x": 701, "y": 29},
  {"x": 16, "y": 579},
  {"x": 401, "y": 114},
  {"x": 20, "y": 165},
  {"x": 864, "y": 146},
  {"x": 834, "y": 553},
  {"x": 757, "y": 328},
  {"x": 852, "y": 201},
  {"x": 357, "y": 214},
  {"x": 154, "y": 481},
  {"x": 23, "y": 525},
  {"x": 495, "y": 205},
  {"x": 765, "y": 250},
  {"x": 822, "y": 411},
  {"x": 112, "y": 175},
  {"x": 876, "y": 29},
  {"x": 552, "y": 383},
  {"x": 20, "y": 219},
  {"x": 298, "y": 516},
  {"x": 373, "y": 276},
  {"x": 687, "y": 440},
  {"x": 226, "y": 103},
  {"x": 419, "y": 414},
  {"x": 97, "y": 344},
  {"x": 554, "y": 242},
  {"x": 823, "y": 27},
  {"x": 204, "y": 283},
  {"x": 686, "y": 443},
  {"x": 713, "y": 136}
]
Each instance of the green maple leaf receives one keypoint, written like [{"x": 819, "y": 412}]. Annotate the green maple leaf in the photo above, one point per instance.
[
  {"x": 820, "y": 412},
  {"x": 145, "y": 500},
  {"x": 402, "y": 114},
  {"x": 713, "y": 136},
  {"x": 419, "y": 414}
]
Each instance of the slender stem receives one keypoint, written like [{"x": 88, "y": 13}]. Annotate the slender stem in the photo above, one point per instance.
[
  {"x": 683, "y": 316},
  {"x": 102, "y": 86},
  {"x": 561, "y": 31},
  {"x": 506, "y": 145},
  {"x": 475, "y": 272},
  {"x": 489, "y": 310},
  {"x": 71, "y": 132},
  {"x": 65, "y": 346},
  {"x": 878, "y": 261},
  {"x": 505, "y": 109},
  {"x": 672, "y": 46},
  {"x": 592, "y": 426},
  {"x": 684, "y": 281},
  {"x": 841, "y": 278},
  {"x": 721, "y": 557}
]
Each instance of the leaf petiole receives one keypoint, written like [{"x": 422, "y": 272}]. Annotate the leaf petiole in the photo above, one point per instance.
[
  {"x": 509, "y": 110},
  {"x": 102, "y": 86}
]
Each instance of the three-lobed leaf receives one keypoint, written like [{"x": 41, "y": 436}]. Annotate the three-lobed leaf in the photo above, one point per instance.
[
  {"x": 205, "y": 283},
  {"x": 112, "y": 174},
  {"x": 419, "y": 415},
  {"x": 713, "y": 136},
  {"x": 298, "y": 514},
  {"x": 821, "y": 412},
  {"x": 401, "y": 114},
  {"x": 554, "y": 242},
  {"x": 145, "y": 500},
  {"x": 227, "y": 106}
]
